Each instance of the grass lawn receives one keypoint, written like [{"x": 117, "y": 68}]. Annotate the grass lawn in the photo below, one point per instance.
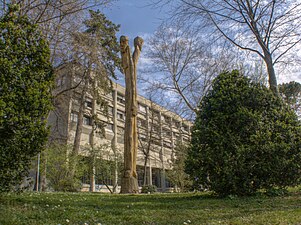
[{"x": 190, "y": 208}]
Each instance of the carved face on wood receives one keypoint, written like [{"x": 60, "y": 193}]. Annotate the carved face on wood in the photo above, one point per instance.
[
  {"x": 138, "y": 41},
  {"x": 124, "y": 43}
]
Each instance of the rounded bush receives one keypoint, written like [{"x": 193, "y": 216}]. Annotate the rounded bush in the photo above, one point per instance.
[
  {"x": 149, "y": 189},
  {"x": 244, "y": 139}
]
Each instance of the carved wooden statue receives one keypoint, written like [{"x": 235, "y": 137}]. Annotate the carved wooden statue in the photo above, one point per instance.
[{"x": 129, "y": 181}]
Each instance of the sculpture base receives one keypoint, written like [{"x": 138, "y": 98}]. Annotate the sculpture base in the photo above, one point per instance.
[{"x": 129, "y": 185}]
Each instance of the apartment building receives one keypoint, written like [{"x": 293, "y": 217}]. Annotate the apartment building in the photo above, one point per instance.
[{"x": 159, "y": 130}]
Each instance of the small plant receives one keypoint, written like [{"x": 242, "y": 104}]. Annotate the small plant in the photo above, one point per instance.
[
  {"x": 149, "y": 189},
  {"x": 272, "y": 192}
]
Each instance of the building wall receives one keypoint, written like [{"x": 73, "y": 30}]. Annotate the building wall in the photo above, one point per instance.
[{"x": 157, "y": 127}]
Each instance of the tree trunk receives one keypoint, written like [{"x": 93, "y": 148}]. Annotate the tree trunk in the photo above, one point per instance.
[
  {"x": 92, "y": 135},
  {"x": 271, "y": 73},
  {"x": 44, "y": 176},
  {"x": 79, "y": 126},
  {"x": 145, "y": 181}
]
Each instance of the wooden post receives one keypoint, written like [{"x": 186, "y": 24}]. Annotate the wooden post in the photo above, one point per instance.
[{"x": 129, "y": 181}]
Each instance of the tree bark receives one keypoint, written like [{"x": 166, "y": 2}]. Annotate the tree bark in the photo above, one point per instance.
[
  {"x": 79, "y": 125},
  {"x": 271, "y": 73},
  {"x": 92, "y": 137}
]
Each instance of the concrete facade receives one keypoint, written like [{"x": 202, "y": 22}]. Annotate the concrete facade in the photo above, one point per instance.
[{"x": 157, "y": 126}]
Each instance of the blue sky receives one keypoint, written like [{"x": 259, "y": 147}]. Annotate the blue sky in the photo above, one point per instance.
[{"x": 135, "y": 17}]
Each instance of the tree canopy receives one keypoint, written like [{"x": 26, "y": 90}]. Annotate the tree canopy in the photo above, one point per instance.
[
  {"x": 245, "y": 138},
  {"x": 266, "y": 28},
  {"x": 291, "y": 94},
  {"x": 26, "y": 79}
]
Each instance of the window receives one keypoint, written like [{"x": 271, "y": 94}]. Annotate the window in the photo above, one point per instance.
[
  {"x": 185, "y": 128},
  {"x": 166, "y": 132},
  {"x": 155, "y": 129},
  {"x": 120, "y": 115},
  {"x": 156, "y": 115},
  {"x": 110, "y": 127},
  {"x": 120, "y": 130},
  {"x": 155, "y": 141},
  {"x": 176, "y": 135},
  {"x": 167, "y": 144},
  {"x": 141, "y": 108},
  {"x": 60, "y": 82},
  {"x": 176, "y": 123},
  {"x": 78, "y": 78},
  {"x": 142, "y": 137},
  {"x": 110, "y": 95},
  {"x": 185, "y": 139},
  {"x": 87, "y": 120},
  {"x": 88, "y": 103},
  {"x": 74, "y": 117},
  {"x": 141, "y": 123},
  {"x": 120, "y": 135},
  {"x": 120, "y": 98},
  {"x": 110, "y": 110},
  {"x": 165, "y": 119}
]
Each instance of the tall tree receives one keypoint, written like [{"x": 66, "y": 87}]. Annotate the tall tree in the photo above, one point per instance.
[
  {"x": 148, "y": 133},
  {"x": 184, "y": 66},
  {"x": 269, "y": 29},
  {"x": 58, "y": 20},
  {"x": 95, "y": 50},
  {"x": 26, "y": 79},
  {"x": 244, "y": 139}
]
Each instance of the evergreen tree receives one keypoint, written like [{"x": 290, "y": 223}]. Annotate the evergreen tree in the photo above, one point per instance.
[
  {"x": 96, "y": 51},
  {"x": 291, "y": 94},
  {"x": 26, "y": 79},
  {"x": 244, "y": 139}
]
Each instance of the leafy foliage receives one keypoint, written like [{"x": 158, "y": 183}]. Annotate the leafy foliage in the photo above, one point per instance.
[
  {"x": 26, "y": 79},
  {"x": 291, "y": 94},
  {"x": 177, "y": 174},
  {"x": 107, "y": 164},
  {"x": 56, "y": 164},
  {"x": 103, "y": 32},
  {"x": 244, "y": 139},
  {"x": 149, "y": 189},
  {"x": 96, "y": 53}
]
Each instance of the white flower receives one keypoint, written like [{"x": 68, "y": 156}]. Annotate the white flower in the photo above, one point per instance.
[
  {"x": 185, "y": 223},
  {"x": 67, "y": 221},
  {"x": 188, "y": 221}
]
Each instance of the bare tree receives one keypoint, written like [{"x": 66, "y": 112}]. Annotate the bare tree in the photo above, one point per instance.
[
  {"x": 182, "y": 66},
  {"x": 58, "y": 20},
  {"x": 268, "y": 28},
  {"x": 146, "y": 140}
]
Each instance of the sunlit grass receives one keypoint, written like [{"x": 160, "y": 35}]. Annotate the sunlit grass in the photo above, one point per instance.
[{"x": 190, "y": 208}]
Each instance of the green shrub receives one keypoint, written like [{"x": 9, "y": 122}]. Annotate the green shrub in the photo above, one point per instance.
[
  {"x": 149, "y": 189},
  {"x": 58, "y": 173},
  {"x": 244, "y": 139},
  {"x": 26, "y": 79}
]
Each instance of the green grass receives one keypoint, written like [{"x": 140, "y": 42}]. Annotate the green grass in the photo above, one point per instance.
[{"x": 199, "y": 208}]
